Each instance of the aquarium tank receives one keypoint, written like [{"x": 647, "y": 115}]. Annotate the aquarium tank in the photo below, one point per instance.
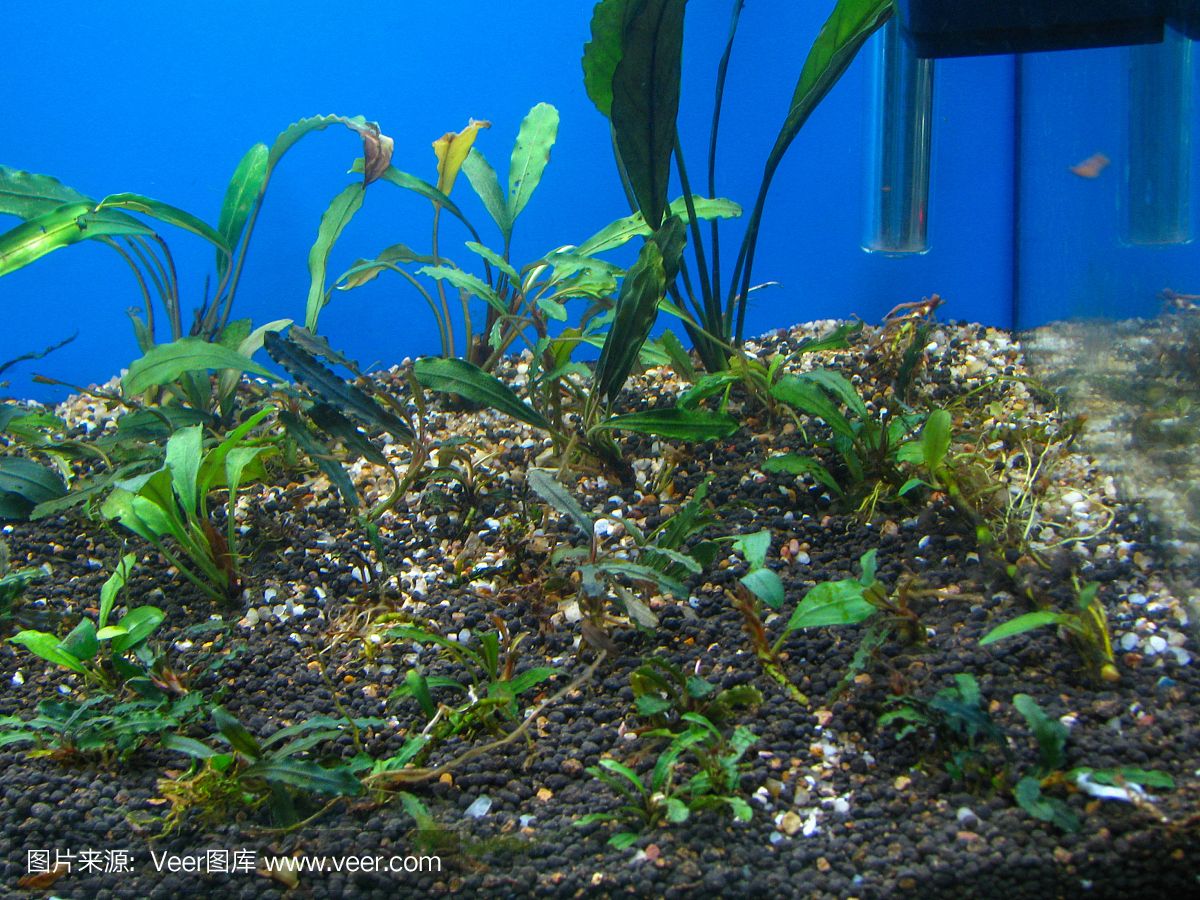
[{"x": 633, "y": 447}]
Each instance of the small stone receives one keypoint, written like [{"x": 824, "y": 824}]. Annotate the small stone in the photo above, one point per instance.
[
  {"x": 544, "y": 794},
  {"x": 1156, "y": 644},
  {"x": 902, "y": 783},
  {"x": 480, "y": 807}
]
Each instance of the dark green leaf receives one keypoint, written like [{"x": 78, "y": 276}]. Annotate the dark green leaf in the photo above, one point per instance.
[
  {"x": 165, "y": 363},
  {"x": 456, "y": 376},
  {"x": 680, "y": 424},
  {"x": 546, "y": 486}
]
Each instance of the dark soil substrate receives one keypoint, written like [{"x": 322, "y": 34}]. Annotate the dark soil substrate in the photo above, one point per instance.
[{"x": 881, "y": 817}]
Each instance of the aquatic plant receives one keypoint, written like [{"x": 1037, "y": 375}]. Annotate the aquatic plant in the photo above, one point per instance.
[
  {"x": 56, "y": 216},
  {"x": 13, "y": 583},
  {"x": 173, "y": 502},
  {"x": 632, "y": 70},
  {"x": 105, "y": 655}
]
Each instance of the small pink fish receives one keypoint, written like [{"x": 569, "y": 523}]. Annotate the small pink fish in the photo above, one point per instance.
[{"x": 1091, "y": 167}]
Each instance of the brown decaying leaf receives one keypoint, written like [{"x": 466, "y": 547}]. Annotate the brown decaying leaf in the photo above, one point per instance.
[
  {"x": 1091, "y": 167},
  {"x": 377, "y": 153},
  {"x": 41, "y": 881}
]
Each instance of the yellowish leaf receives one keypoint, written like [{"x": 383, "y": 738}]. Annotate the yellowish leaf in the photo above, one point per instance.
[{"x": 451, "y": 150}]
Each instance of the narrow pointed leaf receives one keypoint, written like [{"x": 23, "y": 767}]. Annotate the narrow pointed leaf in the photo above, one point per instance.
[
  {"x": 546, "y": 486},
  {"x": 465, "y": 281},
  {"x": 486, "y": 185},
  {"x": 245, "y": 187},
  {"x": 623, "y": 230},
  {"x": 456, "y": 376},
  {"x": 680, "y": 424},
  {"x": 165, "y": 212},
  {"x": 334, "y": 220}
]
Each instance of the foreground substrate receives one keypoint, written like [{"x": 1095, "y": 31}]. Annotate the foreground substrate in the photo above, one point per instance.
[{"x": 841, "y": 807}]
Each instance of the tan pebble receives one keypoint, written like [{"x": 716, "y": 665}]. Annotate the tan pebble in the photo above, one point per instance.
[
  {"x": 823, "y": 716},
  {"x": 968, "y": 837},
  {"x": 816, "y": 750},
  {"x": 544, "y": 794},
  {"x": 823, "y": 864},
  {"x": 1062, "y": 855},
  {"x": 790, "y": 823},
  {"x": 864, "y": 678},
  {"x": 446, "y": 778},
  {"x": 902, "y": 782}
]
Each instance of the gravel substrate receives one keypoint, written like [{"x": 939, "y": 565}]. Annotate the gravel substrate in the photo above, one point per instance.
[{"x": 841, "y": 807}]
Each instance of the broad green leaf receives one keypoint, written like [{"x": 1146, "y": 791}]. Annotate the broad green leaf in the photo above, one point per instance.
[
  {"x": 645, "y": 100},
  {"x": 165, "y": 363},
  {"x": 1028, "y": 794},
  {"x": 456, "y": 376},
  {"x": 245, "y": 188},
  {"x": 61, "y": 227},
  {"x": 754, "y": 547},
  {"x": 486, "y": 185},
  {"x": 546, "y": 486},
  {"x": 185, "y": 450},
  {"x": 935, "y": 439},
  {"x": 178, "y": 743},
  {"x": 1021, "y": 624},
  {"x": 139, "y": 624},
  {"x": 840, "y": 388},
  {"x": 553, "y": 309},
  {"x": 805, "y": 396},
  {"x": 706, "y": 386},
  {"x": 638, "y": 572},
  {"x": 765, "y": 585},
  {"x": 693, "y": 425},
  {"x": 602, "y": 53},
  {"x": 333, "y": 221},
  {"x": 31, "y": 481},
  {"x": 47, "y": 647},
  {"x": 831, "y": 603},
  {"x": 530, "y": 154},
  {"x": 795, "y": 464},
  {"x": 465, "y": 281},
  {"x": 82, "y": 642},
  {"x": 618, "y": 233},
  {"x": 27, "y": 195}
]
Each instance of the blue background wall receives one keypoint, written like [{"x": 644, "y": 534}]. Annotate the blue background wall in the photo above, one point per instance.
[{"x": 163, "y": 99}]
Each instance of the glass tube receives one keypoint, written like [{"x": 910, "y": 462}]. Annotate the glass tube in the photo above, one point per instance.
[
  {"x": 1158, "y": 175},
  {"x": 898, "y": 146}
]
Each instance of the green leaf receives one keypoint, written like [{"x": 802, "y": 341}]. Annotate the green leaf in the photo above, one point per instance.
[
  {"x": 61, "y": 227},
  {"x": 867, "y": 566},
  {"x": 496, "y": 260},
  {"x": 47, "y": 647},
  {"x": 840, "y": 38},
  {"x": 236, "y": 734},
  {"x": 531, "y": 678},
  {"x": 139, "y": 624},
  {"x": 618, "y": 233},
  {"x": 456, "y": 376},
  {"x": 831, "y": 603},
  {"x": 935, "y": 439},
  {"x": 840, "y": 388},
  {"x": 546, "y": 486},
  {"x": 1050, "y": 733},
  {"x": 644, "y": 286},
  {"x": 322, "y": 456},
  {"x": 638, "y": 572},
  {"x": 1021, "y": 624},
  {"x": 795, "y": 464},
  {"x": 807, "y": 397},
  {"x": 602, "y": 53},
  {"x": 165, "y": 212},
  {"x": 486, "y": 185},
  {"x": 677, "y": 811},
  {"x": 185, "y": 450},
  {"x": 32, "y": 482},
  {"x": 422, "y": 188},
  {"x": 681, "y": 360},
  {"x": 82, "y": 642},
  {"x": 304, "y": 775},
  {"x": 530, "y": 154},
  {"x": 465, "y": 281},
  {"x": 178, "y": 743},
  {"x": 754, "y": 547},
  {"x": 27, "y": 195},
  {"x": 1028, "y": 794},
  {"x": 680, "y": 424},
  {"x": 243, "y": 192},
  {"x": 645, "y": 99},
  {"x": 838, "y": 339},
  {"x": 165, "y": 363},
  {"x": 305, "y": 368},
  {"x": 336, "y": 217},
  {"x": 113, "y": 586},
  {"x": 765, "y": 585}
]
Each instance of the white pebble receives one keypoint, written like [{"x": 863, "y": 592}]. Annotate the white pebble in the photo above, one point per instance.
[
  {"x": 1129, "y": 641},
  {"x": 1156, "y": 644},
  {"x": 480, "y": 807}
]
